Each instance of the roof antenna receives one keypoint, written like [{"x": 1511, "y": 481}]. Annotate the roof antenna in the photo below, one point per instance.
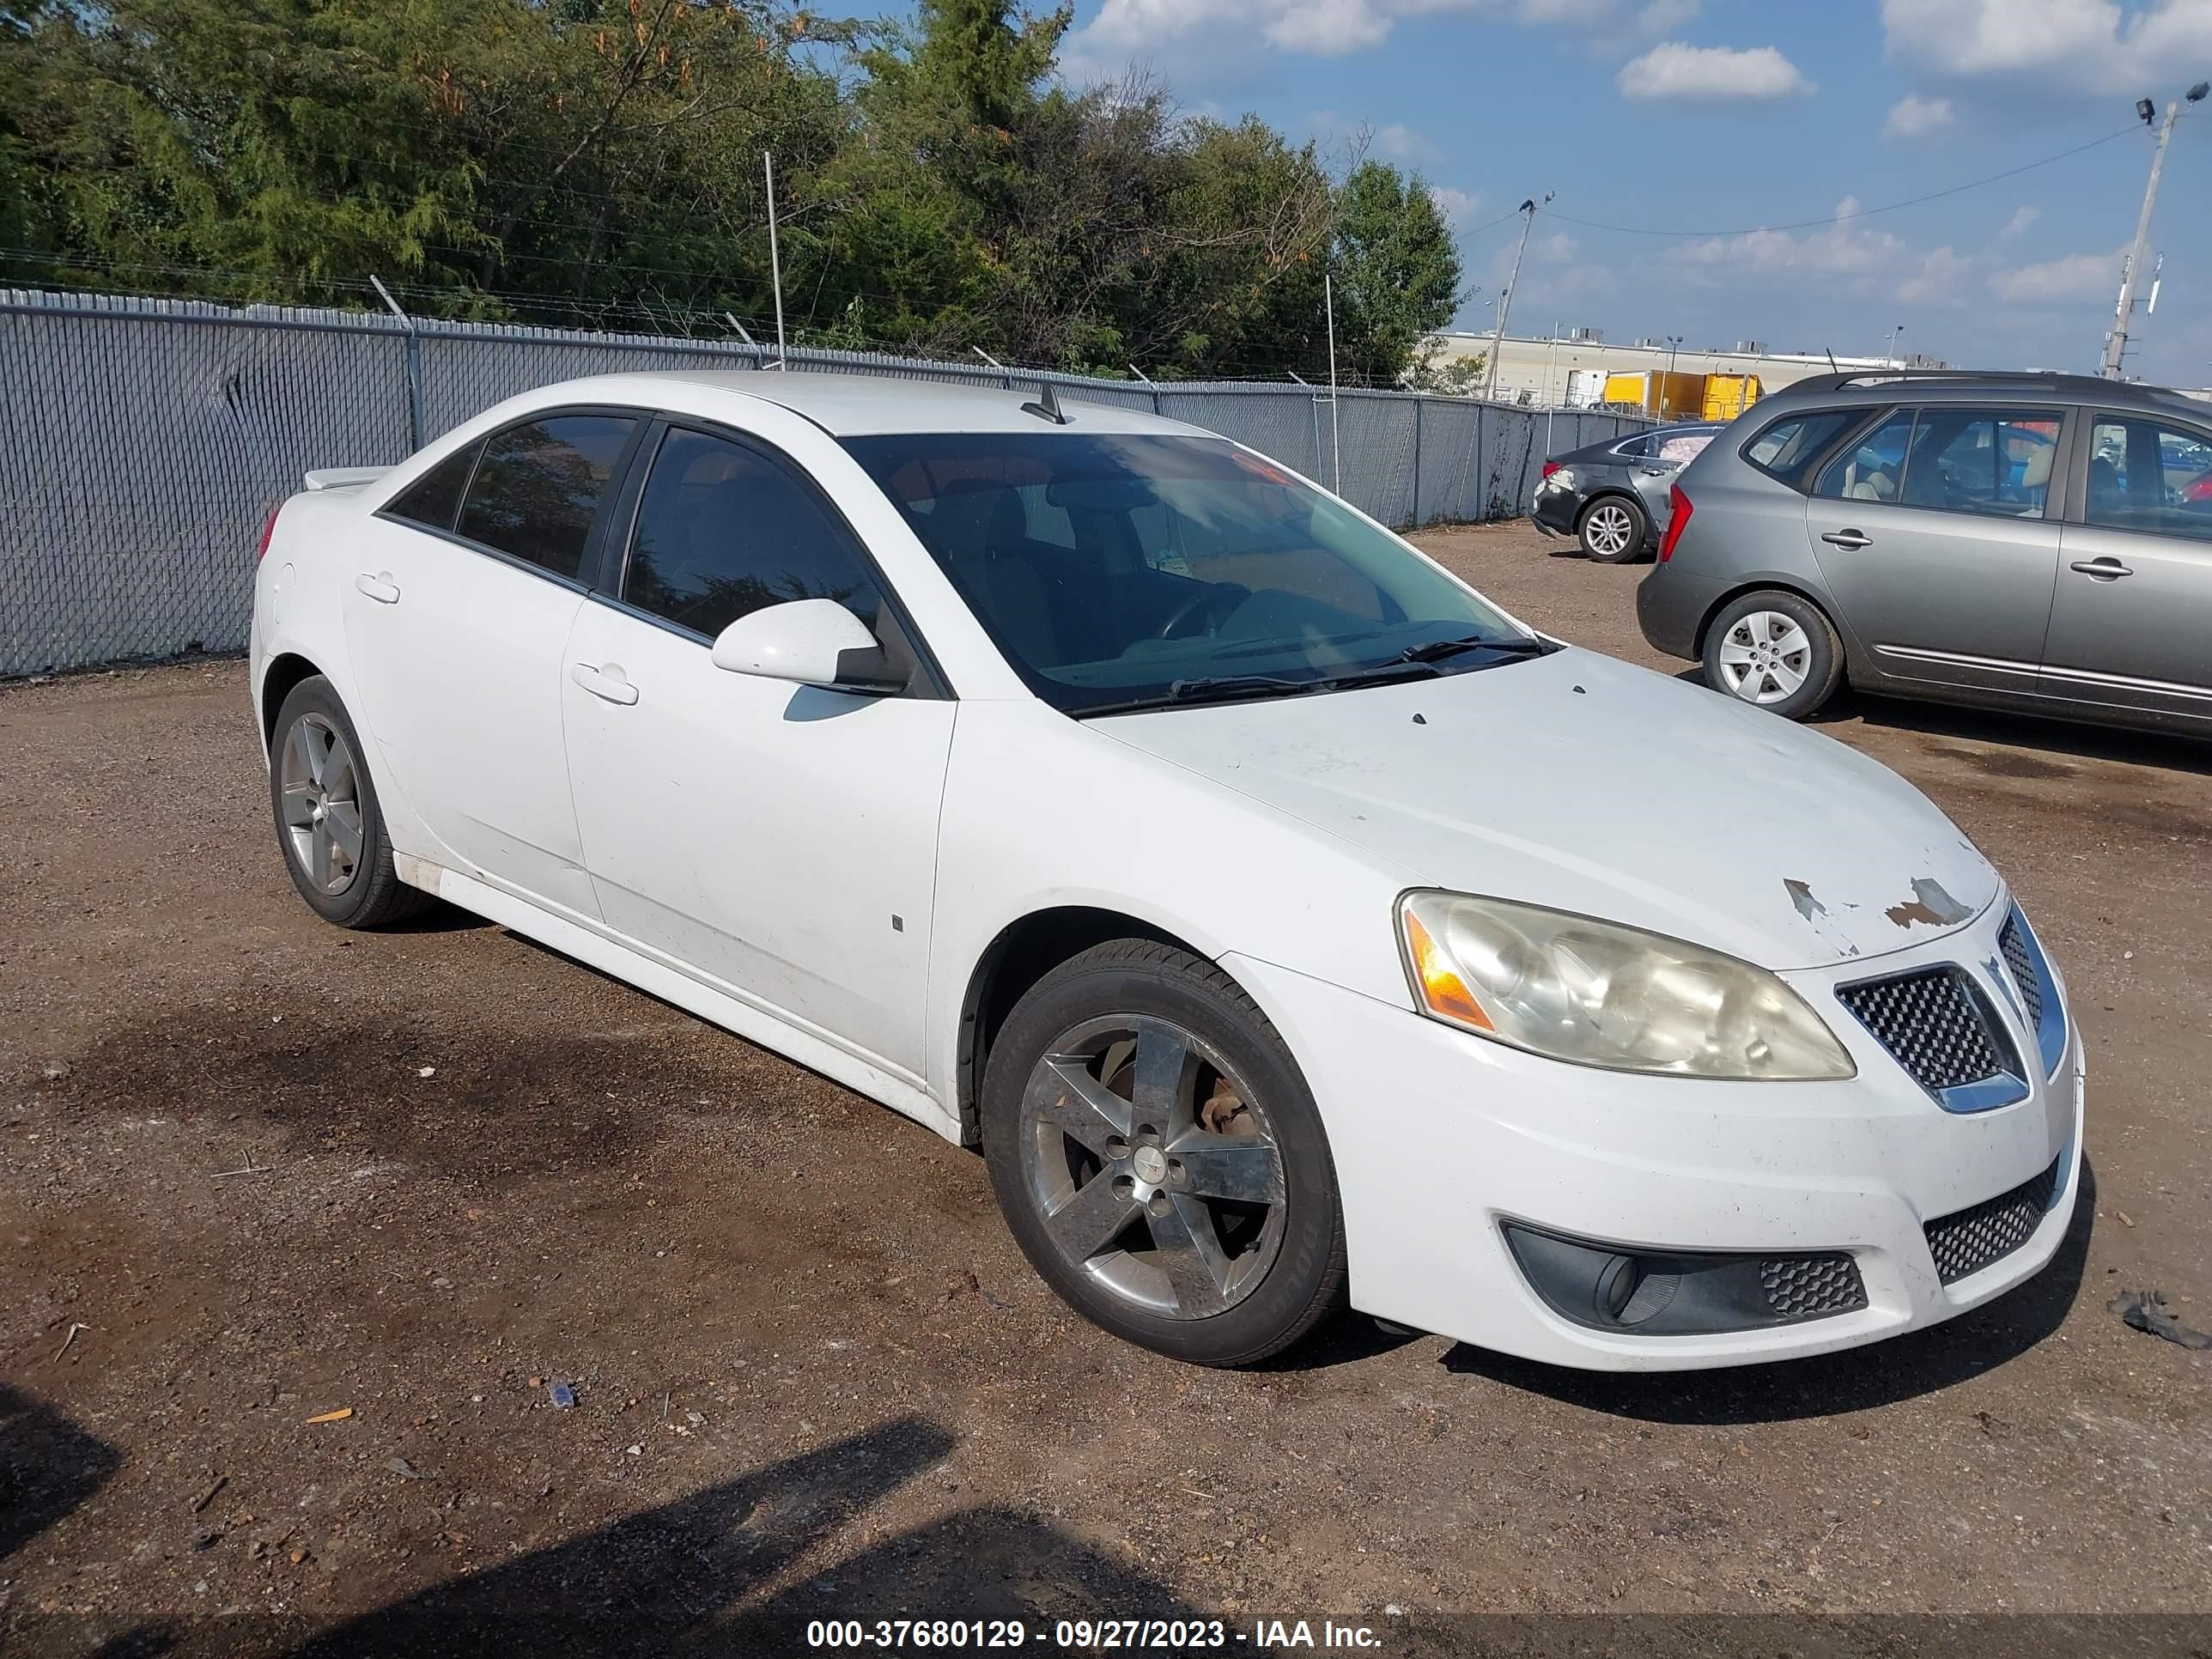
[
  {"x": 1046, "y": 407},
  {"x": 1830, "y": 350}
]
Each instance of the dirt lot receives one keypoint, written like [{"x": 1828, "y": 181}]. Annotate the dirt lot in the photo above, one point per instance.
[{"x": 255, "y": 1171}]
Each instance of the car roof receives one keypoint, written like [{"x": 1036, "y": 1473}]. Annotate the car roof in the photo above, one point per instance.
[
  {"x": 856, "y": 405},
  {"x": 1981, "y": 385}
]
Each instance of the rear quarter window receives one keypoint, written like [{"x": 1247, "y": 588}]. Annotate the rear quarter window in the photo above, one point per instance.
[{"x": 1788, "y": 448}]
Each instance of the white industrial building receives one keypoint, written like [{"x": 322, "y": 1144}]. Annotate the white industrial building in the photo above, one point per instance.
[{"x": 1569, "y": 370}]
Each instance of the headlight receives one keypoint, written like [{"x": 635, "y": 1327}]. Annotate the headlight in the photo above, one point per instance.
[{"x": 1598, "y": 995}]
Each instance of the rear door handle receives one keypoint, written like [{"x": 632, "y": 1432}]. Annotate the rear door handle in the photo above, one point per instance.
[
  {"x": 1851, "y": 539},
  {"x": 607, "y": 682},
  {"x": 380, "y": 588},
  {"x": 2103, "y": 570},
  {"x": 1655, "y": 471}
]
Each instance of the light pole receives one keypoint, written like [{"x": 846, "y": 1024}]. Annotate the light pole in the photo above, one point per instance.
[
  {"x": 1893, "y": 333},
  {"x": 1673, "y": 345},
  {"x": 2116, "y": 343},
  {"x": 1528, "y": 210}
]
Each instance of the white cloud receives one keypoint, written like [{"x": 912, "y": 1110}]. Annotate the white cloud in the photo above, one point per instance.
[
  {"x": 1675, "y": 70},
  {"x": 1914, "y": 116},
  {"x": 1125, "y": 30},
  {"x": 1845, "y": 251},
  {"x": 1941, "y": 279},
  {"x": 1665, "y": 16},
  {"x": 2081, "y": 47},
  {"x": 1458, "y": 206},
  {"x": 1402, "y": 142},
  {"x": 2057, "y": 282},
  {"x": 2017, "y": 227}
]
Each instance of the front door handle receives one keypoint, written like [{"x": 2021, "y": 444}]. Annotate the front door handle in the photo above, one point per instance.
[
  {"x": 1853, "y": 539},
  {"x": 380, "y": 588},
  {"x": 608, "y": 682},
  {"x": 2103, "y": 570}
]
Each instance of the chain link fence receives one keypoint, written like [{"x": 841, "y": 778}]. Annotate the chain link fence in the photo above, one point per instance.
[{"x": 146, "y": 441}]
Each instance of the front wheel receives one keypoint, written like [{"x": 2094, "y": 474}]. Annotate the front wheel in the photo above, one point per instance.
[
  {"x": 1159, "y": 1158},
  {"x": 1776, "y": 650},
  {"x": 1611, "y": 530}
]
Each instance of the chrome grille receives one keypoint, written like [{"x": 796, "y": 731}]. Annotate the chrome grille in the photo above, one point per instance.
[
  {"x": 1934, "y": 1023},
  {"x": 2020, "y": 961},
  {"x": 1812, "y": 1286},
  {"x": 1969, "y": 1240}
]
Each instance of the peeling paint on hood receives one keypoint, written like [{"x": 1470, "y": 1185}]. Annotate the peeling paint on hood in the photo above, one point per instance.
[{"x": 1586, "y": 784}]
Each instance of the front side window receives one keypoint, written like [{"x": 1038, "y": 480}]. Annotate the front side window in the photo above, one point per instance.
[
  {"x": 538, "y": 486},
  {"x": 723, "y": 530},
  {"x": 1979, "y": 460},
  {"x": 1116, "y": 570},
  {"x": 1789, "y": 448},
  {"x": 2145, "y": 474},
  {"x": 1872, "y": 469}
]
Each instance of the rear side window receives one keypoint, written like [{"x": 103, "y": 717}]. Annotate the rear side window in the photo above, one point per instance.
[
  {"x": 1982, "y": 461},
  {"x": 433, "y": 499},
  {"x": 1787, "y": 449},
  {"x": 2147, "y": 476},
  {"x": 723, "y": 530},
  {"x": 538, "y": 485},
  {"x": 1872, "y": 469}
]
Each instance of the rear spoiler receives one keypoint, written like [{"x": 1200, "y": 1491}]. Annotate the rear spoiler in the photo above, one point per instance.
[{"x": 344, "y": 477}]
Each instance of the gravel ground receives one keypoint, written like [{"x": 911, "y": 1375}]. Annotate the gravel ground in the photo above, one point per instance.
[{"x": 255, "y": 1172}]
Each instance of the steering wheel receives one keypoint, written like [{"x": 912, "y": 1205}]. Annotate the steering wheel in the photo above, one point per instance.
[{"x": 1196, "y": 615}]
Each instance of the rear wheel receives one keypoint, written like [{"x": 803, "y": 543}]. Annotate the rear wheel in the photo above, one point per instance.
[
  {"x": 1776, "y": 650},
  {"x": 1159, "y": 1158},
  {"x": 328, "y": 824},
  {"x": 1611, "y": 530}
]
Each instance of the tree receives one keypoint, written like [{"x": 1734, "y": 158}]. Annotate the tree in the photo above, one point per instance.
[{"x": 1397, "y": 272}]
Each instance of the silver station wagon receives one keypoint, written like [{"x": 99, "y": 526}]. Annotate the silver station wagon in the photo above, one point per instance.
[{"x": 2039, "y": 542}]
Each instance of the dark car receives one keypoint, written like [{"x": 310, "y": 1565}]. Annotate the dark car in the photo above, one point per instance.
[
  {"x": 1611, "y": 497},
  {"x": 2028, "y": 541}
]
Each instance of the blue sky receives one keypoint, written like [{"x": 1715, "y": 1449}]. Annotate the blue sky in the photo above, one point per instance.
[{"x": 1729, "y": 116}]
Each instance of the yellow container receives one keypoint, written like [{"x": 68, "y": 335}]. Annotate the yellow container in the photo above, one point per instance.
[{"x": 1727, "y": 396}]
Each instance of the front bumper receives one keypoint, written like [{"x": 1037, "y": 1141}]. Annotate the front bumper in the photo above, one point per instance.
[{"x": 1441, "y": 1138}]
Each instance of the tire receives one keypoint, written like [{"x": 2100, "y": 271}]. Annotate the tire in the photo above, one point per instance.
[
  {"x": 1775, "y": 650},
  {"x": 1611, "y": 530},
  {"x": 1114, "y": 1211},
  {"x": 319, "y": 786}
]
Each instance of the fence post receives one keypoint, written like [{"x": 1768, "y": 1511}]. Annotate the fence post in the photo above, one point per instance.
[
  {"x": 414, "y": 366},
  {"x": 1417, "y": 462}
]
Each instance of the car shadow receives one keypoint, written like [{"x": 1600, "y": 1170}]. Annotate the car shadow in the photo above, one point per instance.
[
  {"x": 1830, "y": 1385},
  {"x": 2171, "y": 752},
  {"x": 716, "y": 1573},
  {"x": 1346, "y": 1340},
  {"x": 48, "y": 1467}
]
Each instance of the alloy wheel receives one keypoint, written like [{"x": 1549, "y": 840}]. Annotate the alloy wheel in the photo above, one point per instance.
[
  {"x": 1605, "y": 531},
  {"x": 1154, "y": 1169},
  {"x": 1765, "y": 656},
  {"x": 321, "y": 803}
]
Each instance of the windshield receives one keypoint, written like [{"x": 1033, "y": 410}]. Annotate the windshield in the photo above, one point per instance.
[{"x": 1118, "y": 570}]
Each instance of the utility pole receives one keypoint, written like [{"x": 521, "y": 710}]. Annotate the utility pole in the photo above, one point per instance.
[
  {"x": 1336, "y": 431},
  {"x": 774, "y": 259},
  {"x": 2116, "y": 343},
  {"x": 1528, "y": 210}
]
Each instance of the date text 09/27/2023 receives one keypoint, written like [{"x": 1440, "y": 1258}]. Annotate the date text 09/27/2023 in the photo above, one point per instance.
[{"x": 1090, "y": 1635}]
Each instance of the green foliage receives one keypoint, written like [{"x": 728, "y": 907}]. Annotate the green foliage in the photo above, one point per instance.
[
  {"x": 599, "y": 161},
  {"x": 1397, "y": 272}
]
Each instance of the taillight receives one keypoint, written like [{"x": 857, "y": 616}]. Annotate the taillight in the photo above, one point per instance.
[
  {"x": 1678, "y": 518},
  {"x": 1550, "y": 467},
  {"x": 268, "y": 530},
  {"x": 2197, "y": 489}
]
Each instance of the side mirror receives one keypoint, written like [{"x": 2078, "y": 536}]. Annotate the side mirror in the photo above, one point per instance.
[{"x": 808, "y": 642}]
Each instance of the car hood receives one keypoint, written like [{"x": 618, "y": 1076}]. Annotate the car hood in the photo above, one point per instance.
[{"x": 1585, "y": 784}]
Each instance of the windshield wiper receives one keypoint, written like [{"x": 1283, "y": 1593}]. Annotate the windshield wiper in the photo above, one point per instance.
[
  {"x": 1511, "y": 647},
  {"x": 1234, "y": 685}
]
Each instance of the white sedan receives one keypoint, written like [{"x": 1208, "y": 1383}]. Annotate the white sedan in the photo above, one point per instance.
[{"x": 1287, "y": 924}]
